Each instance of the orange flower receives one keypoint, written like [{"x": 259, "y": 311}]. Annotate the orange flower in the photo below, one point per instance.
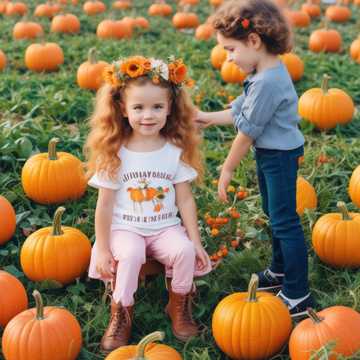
[
  {"x": 155, "y": 79},
  {"x": 135, "y": 66},
  {"x": 110, "y": 77},
  {"x": 177, "y": 72}
]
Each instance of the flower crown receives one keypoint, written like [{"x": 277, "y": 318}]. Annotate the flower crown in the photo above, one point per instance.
[{"x": 133, "y": 67}]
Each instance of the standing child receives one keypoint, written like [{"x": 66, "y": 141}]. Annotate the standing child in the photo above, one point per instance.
[
  {"x": 142, "y": 154},
  {"x": 254, "y": 33}
]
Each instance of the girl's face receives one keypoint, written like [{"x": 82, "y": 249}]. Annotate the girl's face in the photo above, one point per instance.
[
  {"x": 147, "y": 107},
  {"x": 244, "y": 53}
]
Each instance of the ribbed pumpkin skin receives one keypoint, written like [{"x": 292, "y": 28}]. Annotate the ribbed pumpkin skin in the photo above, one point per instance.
[
  {"x": 218, "y": 56},
  {"x": 27, "y": 30},
  {"x": 7, "y": 220},
  {"x": 44, "y": 57},
  {"x": 231, "y": 73},
  {"x": 53, "y": 181},
  {"x": 251, "y": 330},
  {"x": 294, "y": 65},
  {"x": 305, "y": 196},
  {"x": 152, "y": 352},
  {"x": 13, "y": 298},
  {"x": 339, "y": 323},
  {"x": 325, "y": 40},
  {"x": 338, "y": 13},
  {"x": 62, "y": 258},
  {"x": 26, "y": 338},
  {"x": 89, "y": 76},
  {"x": 354, "y": 187},
  {"x": 336, "y": 241}
]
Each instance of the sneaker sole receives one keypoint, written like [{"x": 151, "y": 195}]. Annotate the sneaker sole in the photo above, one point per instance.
[{"x": 303, "y": 313}]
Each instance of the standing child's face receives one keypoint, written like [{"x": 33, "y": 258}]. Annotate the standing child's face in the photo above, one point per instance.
[
  {"x": 147, "y": 107},
  {"x": 245, "y": 53}
]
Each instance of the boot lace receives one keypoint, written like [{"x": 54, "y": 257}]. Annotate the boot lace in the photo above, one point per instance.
[{"x": 120, "y": 321}]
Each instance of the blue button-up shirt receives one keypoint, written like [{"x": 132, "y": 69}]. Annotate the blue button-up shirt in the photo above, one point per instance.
[{"x": 267, "y": 111}]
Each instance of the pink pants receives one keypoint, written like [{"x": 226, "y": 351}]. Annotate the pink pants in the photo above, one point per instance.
[{"x": 171, "y": 247}]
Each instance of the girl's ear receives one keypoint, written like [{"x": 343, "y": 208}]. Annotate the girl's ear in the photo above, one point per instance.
[{"x": 254, "y": 40}]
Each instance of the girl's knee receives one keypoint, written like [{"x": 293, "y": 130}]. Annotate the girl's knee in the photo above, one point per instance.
[{"x": 185, "y": 249}]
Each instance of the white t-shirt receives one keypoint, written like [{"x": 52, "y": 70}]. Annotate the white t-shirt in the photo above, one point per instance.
[{"x": 145, "y": 192}]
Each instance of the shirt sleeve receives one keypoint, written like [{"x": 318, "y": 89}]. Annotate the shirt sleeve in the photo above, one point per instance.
[
  {"x": 236, "y": 105},
  {"x": 257, "y": 110},
  {"x": 101, "y": 180},
  {"x": 184, "y": 172}
]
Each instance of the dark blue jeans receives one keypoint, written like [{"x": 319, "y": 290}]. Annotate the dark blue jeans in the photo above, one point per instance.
[{"x": 277, "y": 173}]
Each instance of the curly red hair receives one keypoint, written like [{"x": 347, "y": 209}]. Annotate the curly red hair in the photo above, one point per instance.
[{"x": 109, "y": 129}]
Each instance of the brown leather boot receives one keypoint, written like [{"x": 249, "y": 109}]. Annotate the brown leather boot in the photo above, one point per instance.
[
  {"x": 119, "y": 329},
  {"x": 180, "y": 313}
]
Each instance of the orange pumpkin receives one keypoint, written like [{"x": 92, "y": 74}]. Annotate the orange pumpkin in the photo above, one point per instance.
[
  {"x": 240, "y": 318},
  {"x": 94, "y": 7},
  {"x": 185, "y": 20},
  {"x": 327, "y": 40},
  {"x": 355, "y": 50},
  {"x": 67, "y": 23},
  {"x": 3, "y": 60},
  {"x": 90, "y": 73},
  {"x": 27, "y": 30},
  {"x": 60, "y": 253},
  {"x": 216, "y": 3},
  {"x": 354, "y": 187},
  {"x": 146, "y": 349},
  {"x": 338, "y": 13},
  {"x": 204, "y": 32},
  {"x": 141, "y": 22},
  {"x": 336, "y": 236},
  {"x": 294, "y": 65},
  {"x": 305, "y": 196},
  {"x": 112, "y": 29},
  {"x": 313, "y": 10},
  {"x": 45, "y": 10},
  {"x": 298, "y": 18},
  {"x": 231, "y": 73},
  {"x": 53, "y": 177},
  {"x": 160, "y": 10},
  {"x": 189, "y": 2},
  {"x": 35, "y": 333},
  {"x": 17, "y": 8},
  {"x": 7, "y": 220},
  {"x": 218, "y": 56},
  {"x": 44, "y": 57},
  {"x": 326, "y": 108},
  {"x": 13, "y": 298},
  {"x": 121, "y": 5},
  {"x": 337, "y": 323}
]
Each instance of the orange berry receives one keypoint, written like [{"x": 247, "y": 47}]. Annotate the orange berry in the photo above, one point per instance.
[
  {"x": 225, "y": 251},
  {"x": 235, "y": 214},
  {"x": 210, "y": 221},
  {"x": 214, "y": 232},
  {"x": 225, "y": 220},
  {"x": 220, "y": 254},
  {"x": 241, "y": 194},
  {"x": 235, "y": 243},
  {"x": 231, "y": 188}
]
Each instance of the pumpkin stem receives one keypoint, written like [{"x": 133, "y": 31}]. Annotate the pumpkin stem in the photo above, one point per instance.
[
  {"x": 140, "y": 349},
  {"x": 92, "y": 56},
  {"x": 57, "y": 221},
  {"x": 39, "y": 305},
  {"x": 314, "y": 316},
  {"x": 344, "y": 211},
  {"x": 52, "y": 148},
  {"x": 325, "y": 83},
  {"x": 253, "y": 285}
]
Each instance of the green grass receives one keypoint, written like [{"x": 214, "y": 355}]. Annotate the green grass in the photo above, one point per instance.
[{"x": 36, "y": 107}]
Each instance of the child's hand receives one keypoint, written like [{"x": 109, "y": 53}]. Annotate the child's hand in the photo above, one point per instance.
[
  {"x": 105, "y": 264},
  {"x": 224, "y": 181},
  {"x": 201, "y": 120},
  {"x": 201, "y": 257}
]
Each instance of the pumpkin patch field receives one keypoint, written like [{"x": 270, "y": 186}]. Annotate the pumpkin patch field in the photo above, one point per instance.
[{"x": 52, "y": 55}]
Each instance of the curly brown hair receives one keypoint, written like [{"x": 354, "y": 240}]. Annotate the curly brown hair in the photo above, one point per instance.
[
  {"x": 109, "y": 128},
  {"x": 262, "y": 17}
]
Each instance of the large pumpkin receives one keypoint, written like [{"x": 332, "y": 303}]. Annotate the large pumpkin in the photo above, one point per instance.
[
  {"x": 42, "y": 333},
  {"x": 355, "y": 50},
  {"x": 337, "y": 324},
  {"x": 27, "y": 30},
  {"x": 328, "y": 40},
  {"x": 294, "y": 65},
  {"x": 60, "y": 253},
  {"x": 7, "y": 220},
  {"x": 325, "y": 107},
  {"x": 90, "y": 73},
  {"x": 44, "y": 57},
  {"x": 354, "y": 187},
  {"x": 218, "y": 56},
  {"x": 53, "y": 177},
  {"x": 251, "y": 325},
  {"x": 146, "y": 350},
  {"x": 336, "y": 238},
  {"x": 13, "y": 298},
  {"x": 305, "y": 196},
  {"x": 231, "y": 73}
]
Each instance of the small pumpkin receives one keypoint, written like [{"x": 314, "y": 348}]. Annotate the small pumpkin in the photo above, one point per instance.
[
  {"x": 355, "y": 50},
  {"x": 327, "y": 40},
  {"x": 231, "y": 73},
  {"x": 53, "y": 177},
  {"x": 218, "y": 56},
  {"x": 13, "y": 298},
  {"x": 216, "y": 3},
  {"x": 3, "y": 60},
  {"x": 294, "y": 65},
  {"x": 336, "y": 236},
  {"x": 60, "y": 253},
  {"x": 141, "y": 22},
  {"x": 313, "y": 10},
  {"x": 16, "y": 8},
  {"x": 185, "y": 20},
  {"x": 298, "y": 18},
  {"x": 27, "y": 30},
  {"x": 44, "y": 57},
  {"x": 112, "y": 29},
  {"x": 7, "y": 220},
  {"x": 35, "y": 333},
  {"x": 243, "y": 316},
  {"x": 305, "y": 196},
  {"x": 337, "y": 323},
  {"x": 90, "y": 73},
  {"x": 146, "y": 349},
  {"x": 66, "y": 23},
  {"x": 338, "y": 13},
  {"x": 354, "y": 187},
  {"x": 325, "y": 107},
  {"x": 160, "y": 10},
  {"x": 204, "y": 32},
  {"x": 46, "y": 10},
  {"x": 94, "y": 7},
  {"x": 121, "y": 5}
]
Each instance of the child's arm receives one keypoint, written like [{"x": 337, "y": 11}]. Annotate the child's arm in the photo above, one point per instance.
[
  {"x": 103, "y": 216},
  {"x": 239, "y": 149},
  {"x": 188, "y": 212},
  {"x": 206, "y": 119}
]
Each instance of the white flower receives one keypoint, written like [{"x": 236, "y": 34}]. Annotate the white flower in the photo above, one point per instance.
[{"x": 160, "y": 67}]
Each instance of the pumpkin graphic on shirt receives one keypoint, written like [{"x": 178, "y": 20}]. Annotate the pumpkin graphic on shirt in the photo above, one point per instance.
[{"x": 144, "y": 193}]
